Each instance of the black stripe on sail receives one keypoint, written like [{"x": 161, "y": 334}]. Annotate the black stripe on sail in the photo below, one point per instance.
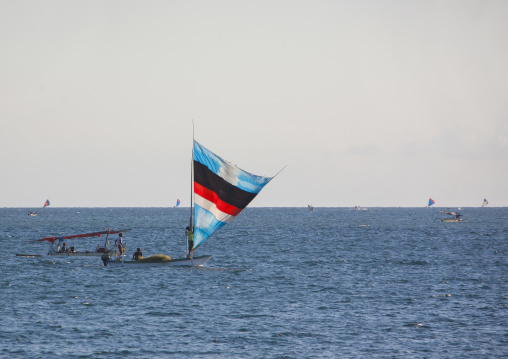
[{"x": 226, "y": 191}]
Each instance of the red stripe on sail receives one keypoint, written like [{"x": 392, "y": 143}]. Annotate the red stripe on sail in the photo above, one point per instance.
[{"x": 212, "y": 197}]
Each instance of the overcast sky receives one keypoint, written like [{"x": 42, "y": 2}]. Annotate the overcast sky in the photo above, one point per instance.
[{"x": 371, "y": 103}]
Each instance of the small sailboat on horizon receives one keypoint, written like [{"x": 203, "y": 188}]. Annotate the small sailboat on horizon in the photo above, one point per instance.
[
  {"x": 431, "y": 202},
  {"x": 34, "y": 213}
]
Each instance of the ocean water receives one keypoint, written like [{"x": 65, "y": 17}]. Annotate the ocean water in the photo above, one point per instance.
[{"x": 282, "y": 283}]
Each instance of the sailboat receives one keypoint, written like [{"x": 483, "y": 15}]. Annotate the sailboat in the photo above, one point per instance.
[
  {"x": 485, "y": 202},
  {"x": 450, "y": 216},
  {"x": 33, "y": 213},
  {"x": 431, "y": 202},
  {"x": 219, "y": 192},
  {"x": 61, "y": 249}
]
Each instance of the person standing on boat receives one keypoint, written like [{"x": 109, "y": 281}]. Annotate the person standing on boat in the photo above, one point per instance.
[
  {"x": 137, "y": 255},
  {"x": 119, "y": 243},
  {"x": 64, "y": 248},
  {"x": 190, "y": 241}
]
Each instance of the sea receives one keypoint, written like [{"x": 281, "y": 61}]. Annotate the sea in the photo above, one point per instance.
[{"x": 282, "y": 283}]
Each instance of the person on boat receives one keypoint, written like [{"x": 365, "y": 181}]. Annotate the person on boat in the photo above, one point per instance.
[
  {"x": 137, "y": 255},
  {"x": 64, "y": 248},
  {"x": 190, "y": 241},
  {"x": 119, "y": 243}
]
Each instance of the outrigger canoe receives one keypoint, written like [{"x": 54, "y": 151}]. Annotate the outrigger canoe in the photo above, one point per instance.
[
  {"x": 219, "y": 192},
  {"x": 59, "y": 251},
  {"x": 450, "y": 217},
  {"x": 158, "y": 260}
]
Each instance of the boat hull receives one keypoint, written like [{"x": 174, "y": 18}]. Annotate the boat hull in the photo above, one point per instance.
[
  {"x": 188, "y": 262},
  {"x": 70, "y": 254},
  {"x": 77, "y": 254}
]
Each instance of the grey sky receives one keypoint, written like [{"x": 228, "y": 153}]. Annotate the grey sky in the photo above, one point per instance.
[{"x": 372, "y": 103}]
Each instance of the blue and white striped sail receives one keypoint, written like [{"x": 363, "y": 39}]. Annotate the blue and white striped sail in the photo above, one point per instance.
[{"x": 221, "y": 192}]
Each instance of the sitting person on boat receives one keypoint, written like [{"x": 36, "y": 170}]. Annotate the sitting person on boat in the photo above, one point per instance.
[
  {"x": 64, "y": 248},
  {"x": 119, "y": 243},
  {"x": 137, "y": 255},
  {"x": 98, "y": 249},
  {"x": 190, "y": 241},
  {"x": 72, "y": 250}
]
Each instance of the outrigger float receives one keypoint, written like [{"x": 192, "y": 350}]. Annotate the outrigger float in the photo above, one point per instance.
[{"x": 60, "y": 249}]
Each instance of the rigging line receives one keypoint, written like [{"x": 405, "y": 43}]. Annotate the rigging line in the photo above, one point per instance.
[{"x": 278, "y": 172}]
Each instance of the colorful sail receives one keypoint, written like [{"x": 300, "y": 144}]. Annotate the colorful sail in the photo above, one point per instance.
[
  {"x": 221, "y": 192},
  {"x": 46, "y": 203},
  {"x": 177, "y": 203},
  {"x": 431, "y": 202},
  {"x": 485, "y": 202}
]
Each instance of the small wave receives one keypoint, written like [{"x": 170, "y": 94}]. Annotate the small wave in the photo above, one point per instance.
[
  {"x": 442, "y": 296},
  {"x": 415, "y": 325},
  {"x": 164, "y": 314},
  {"x": 249, "y": 316},
  {"x": 414, "y": 263}
]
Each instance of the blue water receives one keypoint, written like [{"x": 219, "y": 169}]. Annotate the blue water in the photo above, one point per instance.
[{"x": 282, "y": 283}]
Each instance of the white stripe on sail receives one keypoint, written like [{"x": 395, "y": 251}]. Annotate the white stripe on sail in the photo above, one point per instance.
[
  {"x": 212, "y": 208},
  {"x": 228, "y": 172}
]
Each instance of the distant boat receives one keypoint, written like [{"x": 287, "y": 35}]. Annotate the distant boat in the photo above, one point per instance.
[
  {"x": 34, "y": 213},
  {"x": 449, "y": 216},
  {"x": 61, "y": 249},
  {"x": 485, "y": 202},
  {"x": 431, "y": 202},
  {"x": 219, "y": 192},
  {"x": 360, "y": 208},
  {"x": 177, "y": 203},
  {"x": 311, "y": 208}
]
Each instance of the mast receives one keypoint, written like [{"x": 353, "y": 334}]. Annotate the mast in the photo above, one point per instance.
[
  {"x": 191, "y": 225},
  {"x": 106, "y": 242}
]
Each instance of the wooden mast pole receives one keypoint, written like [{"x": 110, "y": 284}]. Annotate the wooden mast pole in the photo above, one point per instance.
[
  {"x": 192, "y": 179},
  {"x": 191, "y": 224}
]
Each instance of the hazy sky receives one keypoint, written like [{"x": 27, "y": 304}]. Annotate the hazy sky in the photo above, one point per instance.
[{"x": 372, "y": 103}]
